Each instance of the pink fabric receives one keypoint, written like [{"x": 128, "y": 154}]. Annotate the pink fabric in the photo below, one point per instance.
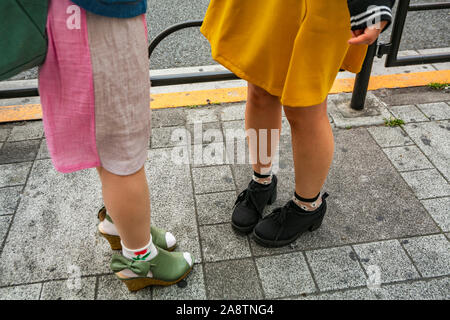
[
  {"x": 67, "y": 90},
  {"x": 144, "y": 20}
]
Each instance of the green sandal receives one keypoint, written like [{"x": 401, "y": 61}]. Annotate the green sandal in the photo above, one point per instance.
[
  {"x": 161, "y": 238},
  {"x": 165, "y": 269}
]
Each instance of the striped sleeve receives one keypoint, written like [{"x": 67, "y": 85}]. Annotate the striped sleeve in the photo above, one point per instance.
[{"x": 367, "y": 13}]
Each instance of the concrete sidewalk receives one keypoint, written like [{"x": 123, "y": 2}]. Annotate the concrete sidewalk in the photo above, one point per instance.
[{"x": 388, "y": 220}]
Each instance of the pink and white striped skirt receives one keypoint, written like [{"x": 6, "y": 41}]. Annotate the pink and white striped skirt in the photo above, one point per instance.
[{"x": 95, "y": 90}]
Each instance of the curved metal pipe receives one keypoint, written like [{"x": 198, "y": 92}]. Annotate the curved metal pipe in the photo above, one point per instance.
[{"x": 169, "y": 31}]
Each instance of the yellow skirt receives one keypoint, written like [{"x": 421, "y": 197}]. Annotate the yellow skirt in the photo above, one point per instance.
[{"x": 291, "y": 48}]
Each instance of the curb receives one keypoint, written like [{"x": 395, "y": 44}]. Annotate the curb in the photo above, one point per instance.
[{"x": 22, "y": 112}]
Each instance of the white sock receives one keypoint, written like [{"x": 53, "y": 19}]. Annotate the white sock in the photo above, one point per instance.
[
  {"x": 143, "y": 254},
  {"x": 108, "y": 228}
]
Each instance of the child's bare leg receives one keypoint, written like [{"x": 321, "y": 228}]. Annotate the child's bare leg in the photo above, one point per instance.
[
  {"x": 313, "y": 147},
  {"x": 263, "y": 111},
  {"x": 262, "y": 115},
  {"x": 128, "y": 203}
]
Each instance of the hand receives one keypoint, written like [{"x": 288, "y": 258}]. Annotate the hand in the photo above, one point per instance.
[{"x": 368, "y": 35}]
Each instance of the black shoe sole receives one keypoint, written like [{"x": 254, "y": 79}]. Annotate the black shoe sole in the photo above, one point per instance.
[
  {"x": 249, "y": 229},
  {"x": 243, "y": 230},
  {"x": 281, "y": 243}
]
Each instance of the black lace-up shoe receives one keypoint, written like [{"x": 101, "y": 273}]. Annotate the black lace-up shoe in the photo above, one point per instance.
[
  {"x": 250, "y": 204},
  {"x": 284, "y": 225}
]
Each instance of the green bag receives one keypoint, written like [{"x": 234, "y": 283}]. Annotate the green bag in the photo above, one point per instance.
[{"x": 23, "y": 42}]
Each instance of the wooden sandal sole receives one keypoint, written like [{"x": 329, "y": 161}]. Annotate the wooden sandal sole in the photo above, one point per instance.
[{"x": 141, "y": 283}]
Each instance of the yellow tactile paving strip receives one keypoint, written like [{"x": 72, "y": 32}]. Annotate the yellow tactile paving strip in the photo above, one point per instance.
[{"x": 206, "y": 97}]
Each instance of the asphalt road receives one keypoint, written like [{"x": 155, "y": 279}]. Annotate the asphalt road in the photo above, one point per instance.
[
  {"x": 188, "y": 47},
  {"x": 423, "y": 30}
]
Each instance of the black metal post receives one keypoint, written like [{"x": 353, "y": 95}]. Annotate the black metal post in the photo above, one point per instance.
[
  {"x": 362, "y": 79},
  {"x": 397, "y": 31}
]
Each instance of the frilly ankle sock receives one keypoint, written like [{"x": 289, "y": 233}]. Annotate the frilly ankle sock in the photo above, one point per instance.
[{"x": 307, "y": 204}]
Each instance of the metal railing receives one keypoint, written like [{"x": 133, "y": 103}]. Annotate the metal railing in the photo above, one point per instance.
[
  {"x": 392, "y": 48},
  {"x": 185, "y": 78},
  {"x": 361, "y": 81}
]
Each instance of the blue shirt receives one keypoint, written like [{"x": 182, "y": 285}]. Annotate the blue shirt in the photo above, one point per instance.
[{"x": 114, "y": 8}]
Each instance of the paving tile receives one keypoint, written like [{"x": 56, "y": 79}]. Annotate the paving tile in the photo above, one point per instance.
[
  {"x": 205, "y": 132},
  {"x": 4, "y": 133},
  {"x": 336, "y": 268},
  {"x": 343, "y": 116},
  {"x": 212, "y": 179},
  {"x": 285, "y": 128},
  {"x": 14, "y": 174},
  {"x": 195, "y": 290},
  {"x": 25, "y": 292},
  {"x": 433, "y": 138},
  {"x": 28, "y": 130},
  {"x": 390, "y": 136},
  {"x": 19, "y": 151},
  {"x": 439, "y": 209},
  {"x": 237, "y": 152},
  {"x": 434, "y": 289},
  {"x": 168, "y": 117},
  {"x": 285, "y": 275},
  {"x": 111, "y": 288},
  {"x": 234, "y": 279},
  {"x": 435, "y": 111},
  {"x": 431, "y": 254},
  {"x": 169, "y": 137},
  {"x": 209, "y": 154},
  {"x": 172, "y": 199},
  {"x": 360, "y": 180},
  {"x": 202, "y": 115},
  {"x": 71, "y": 289},
  {"x": 215, "y": 207},
  {"x": 4, "y": 225},
  {"x": 408, "y": 113},
  {"x": 353, "y": 294},
  {"x": 220, "y": 242},
  {"x": 9, "y": 197},
  {"x": 234, "y": 130},
  {"x": 386, "y": 260},
  {"x": 233, "y": 112},
  {"x": 410, "y": 95},
  {"x": 427, "y": 183},
  {"x": 243, "y": 175},
  {"x": 182, "y": 155},
  {"x": 43, "y": 151},
  {"x": 60, "y": 226},
  {"x": 281, "y": 163},
  {"x": 407, "y": 158}
]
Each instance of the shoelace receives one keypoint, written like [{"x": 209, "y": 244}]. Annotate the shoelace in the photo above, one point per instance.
[
  {"x": 241, "y": 197},
  {"x": 279, "y": 214},
  {"x": 245, "y": 196}
]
